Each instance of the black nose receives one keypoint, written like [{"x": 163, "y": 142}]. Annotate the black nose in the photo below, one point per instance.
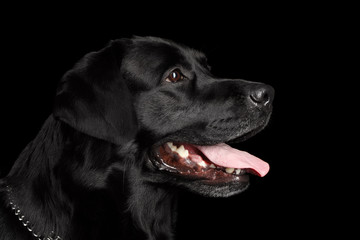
[{"x": 262, "y": 94}]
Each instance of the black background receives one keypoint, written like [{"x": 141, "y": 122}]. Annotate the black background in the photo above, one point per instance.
[{"x": 285, "y": 49}]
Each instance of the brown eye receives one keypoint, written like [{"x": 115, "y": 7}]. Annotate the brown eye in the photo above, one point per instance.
[{"x": 174, "y": 76}]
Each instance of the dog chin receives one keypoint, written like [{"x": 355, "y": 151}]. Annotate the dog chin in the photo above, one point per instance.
[{"x": 217, "y": 191}]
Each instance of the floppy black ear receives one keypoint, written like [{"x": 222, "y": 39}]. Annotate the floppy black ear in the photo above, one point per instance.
[{"x": 94, "y": 98}]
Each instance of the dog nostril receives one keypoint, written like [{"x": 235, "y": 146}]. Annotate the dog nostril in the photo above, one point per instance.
[{"x": 262, "y": 95}]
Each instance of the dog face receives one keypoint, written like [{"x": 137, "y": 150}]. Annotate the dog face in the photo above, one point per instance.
[{"x": 162, "y": 96}]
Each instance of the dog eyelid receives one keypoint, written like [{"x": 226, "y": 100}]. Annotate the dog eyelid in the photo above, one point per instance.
[{"x": 174, "y": 76}]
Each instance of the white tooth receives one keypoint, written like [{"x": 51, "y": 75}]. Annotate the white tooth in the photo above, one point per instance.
[
  {"x": 181, "y": 148},
  {"x": 186, "y": 153},
  {"x": 229, "y": 170},
  {"x": 172, "y": 146},
  {"x": 237, "y": 171},
  {"x": 202, "y": 163},
  {"x": 182, "y": 152},
  {"x": 212, "y": 166}
]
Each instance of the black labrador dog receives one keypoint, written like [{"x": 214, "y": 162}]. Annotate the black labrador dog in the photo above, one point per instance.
[{"x": 132, "y": 123}]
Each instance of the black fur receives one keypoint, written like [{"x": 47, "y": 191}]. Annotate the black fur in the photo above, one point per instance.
[{"x": 88, "y": 173}]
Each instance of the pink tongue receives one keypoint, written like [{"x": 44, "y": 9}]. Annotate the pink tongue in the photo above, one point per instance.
[{"x": 226, "y": 156}]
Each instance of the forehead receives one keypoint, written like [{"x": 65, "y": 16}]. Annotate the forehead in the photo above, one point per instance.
[{"x": 165, "y": 53}]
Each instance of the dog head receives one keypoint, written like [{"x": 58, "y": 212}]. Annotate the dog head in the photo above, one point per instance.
[{"x": 163, "y": 97}]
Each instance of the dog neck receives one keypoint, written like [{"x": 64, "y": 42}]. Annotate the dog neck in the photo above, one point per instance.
[
  {"x": 32, "y": 187},
  {"x": 103, "y": 193},
  {"x": 153, "y": 209}
]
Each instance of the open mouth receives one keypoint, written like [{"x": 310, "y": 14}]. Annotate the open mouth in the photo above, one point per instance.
[{"x": 217, "y": 162}]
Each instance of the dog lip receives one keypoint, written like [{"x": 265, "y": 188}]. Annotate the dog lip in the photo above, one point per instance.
[
  {"x": 209, "y": 142},
  {"x": 249, "y": 134}
]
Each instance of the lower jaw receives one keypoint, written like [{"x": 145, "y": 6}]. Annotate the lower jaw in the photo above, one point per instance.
[
  {"x": 213, "y": 176},
  {"x": 216, "y": 188}
]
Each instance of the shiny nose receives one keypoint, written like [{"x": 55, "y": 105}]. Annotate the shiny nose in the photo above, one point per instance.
[{"x": 262, "y": 94}]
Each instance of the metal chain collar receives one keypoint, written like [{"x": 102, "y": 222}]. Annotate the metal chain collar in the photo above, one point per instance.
[{"x": 26, "y": 223}]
